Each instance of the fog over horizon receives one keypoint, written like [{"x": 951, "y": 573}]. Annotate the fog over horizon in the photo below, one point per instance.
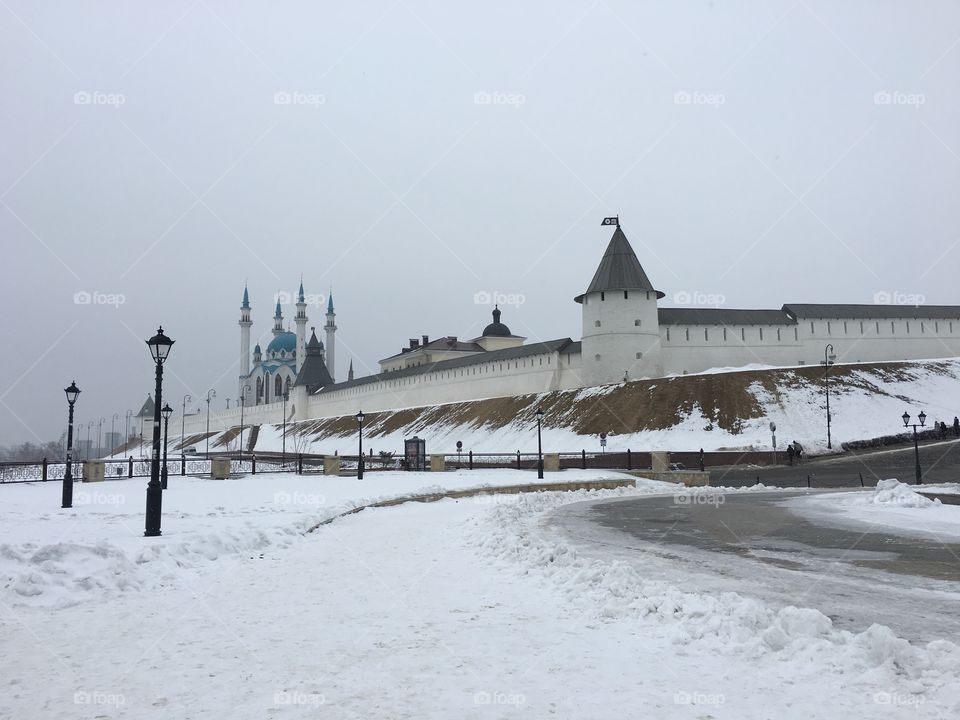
[{"x": 421, "y": 158}]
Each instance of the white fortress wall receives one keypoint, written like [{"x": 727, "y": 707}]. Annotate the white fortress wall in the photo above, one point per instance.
[
  {"x": 695, "y": 348},
  {"x": 880, "y": 339}
]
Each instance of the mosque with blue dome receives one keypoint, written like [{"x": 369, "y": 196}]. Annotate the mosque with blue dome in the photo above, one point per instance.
[{"x": 289, "y": 358}]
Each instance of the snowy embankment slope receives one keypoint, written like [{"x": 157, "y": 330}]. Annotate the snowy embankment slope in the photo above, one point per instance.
[
  {"x": 892, "y": 506},
  {"x": 49, "y": 555},
  {"x": 449, "y": 610},
  {"x": 712, "y": 410}
]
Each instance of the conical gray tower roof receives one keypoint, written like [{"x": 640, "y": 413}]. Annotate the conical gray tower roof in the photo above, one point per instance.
[
  {"x": 314, "y": 374},
  {"x": 619, "y": 269}
]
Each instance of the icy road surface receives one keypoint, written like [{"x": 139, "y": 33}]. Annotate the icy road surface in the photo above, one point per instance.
[{"x": 767, "y": 545}]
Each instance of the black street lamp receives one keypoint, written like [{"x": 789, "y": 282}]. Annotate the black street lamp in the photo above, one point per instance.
[
  {"x": 159, "y": 346},
  {"x": 88, "y": 450},
  {"x": 67, "y": 495},
  {"x": 183, "y": 420},
  {"x": 283, "y": 455},
  {"x": 828, "y": 358},
  {"x": 539, "y": 446},
  {"x": 916, "y": 444},
  {"x": 126, "y": 428},
  {"x": 99, "y": 436},
  {"x": 360, "y": 417},
  {"x": 210, "y": 393},
  {"x": 166, "y": 411}
]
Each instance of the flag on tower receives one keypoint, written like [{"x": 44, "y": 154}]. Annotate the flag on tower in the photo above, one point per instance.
[{"x": 615, "y": 220}]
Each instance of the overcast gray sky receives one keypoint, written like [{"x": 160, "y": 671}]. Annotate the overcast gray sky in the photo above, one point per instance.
[{"x": 414, "y": 154}]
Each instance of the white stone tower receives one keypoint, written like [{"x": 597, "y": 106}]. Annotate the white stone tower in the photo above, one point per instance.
[
  {"x": 301, "y": 320},
  {"x": 331, "y": 329},
  {"x": 621, "y": 329},
  {"x": 245, "y": 324}
]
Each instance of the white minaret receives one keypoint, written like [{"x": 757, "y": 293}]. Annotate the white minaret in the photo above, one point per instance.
[
  {"x": 621, "y": 327},
  {"x": 331, "y": 328},
  {"x": 245, "y": 324},
  {"x": 301, "y": 320},
  {"x": 278, "y": 319}
]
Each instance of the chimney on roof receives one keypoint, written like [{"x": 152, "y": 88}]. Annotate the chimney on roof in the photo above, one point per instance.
[
  {"x": 414, "y": 343},
  {"x": 452, "y": 341},
  {"x": 426, "y": 340}
]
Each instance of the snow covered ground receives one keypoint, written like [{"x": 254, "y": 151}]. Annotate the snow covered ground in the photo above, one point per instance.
[
  {"x": 457, "y": 609},
  {"x": 893, "y": 505}
]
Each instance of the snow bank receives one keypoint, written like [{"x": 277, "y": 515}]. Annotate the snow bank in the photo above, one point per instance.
[
  {"x": 611, "y": 590},
  {"x": 892, "y": 505}
]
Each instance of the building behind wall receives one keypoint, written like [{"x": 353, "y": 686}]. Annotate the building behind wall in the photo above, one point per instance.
[{"x": 625, "y": 336}]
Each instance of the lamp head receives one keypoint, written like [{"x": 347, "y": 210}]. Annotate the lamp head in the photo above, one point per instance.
[
  {"x": 922, "y": 417},
  {"x": 166, "y": 411},
  {"x": 360, "y": 417},
  {"x": 160, "y": 346},
  {"x": 72, "y": 393},
  {"x": 906, "y": 418}
]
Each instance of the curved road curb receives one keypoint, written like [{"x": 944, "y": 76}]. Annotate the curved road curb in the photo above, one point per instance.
[{"x": 608, "y": 484}]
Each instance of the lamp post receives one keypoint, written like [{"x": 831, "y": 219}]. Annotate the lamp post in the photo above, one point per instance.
[
  {"x": 89, "y": 445},
  {"x": 166, "y": 411},
  {"x": 539, "y": 446},
  {"x": 113, "y": 435},
  {"x": 922, "y": 417},
  {"x": 210, "y": 393},
  {"x": 126, "y": 429},
  {"x": 183, "y": 419},
  {"x": 283, "y": 455},
  {"x": 360, "y": 417},
  {"x": 159, "y": 346},
  {"x": 99, "y": 436},
  {"x": 243, "y": 403},
  {"x": 67, "y": 494},
  {"x": 828, "y": 358}
]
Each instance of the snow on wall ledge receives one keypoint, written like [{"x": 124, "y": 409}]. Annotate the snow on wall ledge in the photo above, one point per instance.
[{"x": 725, "y": 409}]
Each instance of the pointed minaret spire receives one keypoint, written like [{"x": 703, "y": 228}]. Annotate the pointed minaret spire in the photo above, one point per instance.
[
  {"x": 246, "y": 297},
  {"x": 278, "y": 318},
  {"x": 301, "y": 320},
  {"x": 350, "y": 371},
  {"x": 331, "y": 329}
]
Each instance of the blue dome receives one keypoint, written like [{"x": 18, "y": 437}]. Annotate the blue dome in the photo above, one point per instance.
[{"x": 285, "y": 341}]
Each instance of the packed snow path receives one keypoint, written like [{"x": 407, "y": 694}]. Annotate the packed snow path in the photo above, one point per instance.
[{"x": 458, "y": 609}]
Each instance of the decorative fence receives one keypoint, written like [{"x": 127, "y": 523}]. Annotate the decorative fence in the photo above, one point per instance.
[{"x": 24, "y": 472}]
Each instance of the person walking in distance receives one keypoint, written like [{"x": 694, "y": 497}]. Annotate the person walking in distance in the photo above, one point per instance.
[
  {"x": 798, "y": 449},
  {"x": 790, "y": 454},
  {"x": 956, "y": 426}
]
